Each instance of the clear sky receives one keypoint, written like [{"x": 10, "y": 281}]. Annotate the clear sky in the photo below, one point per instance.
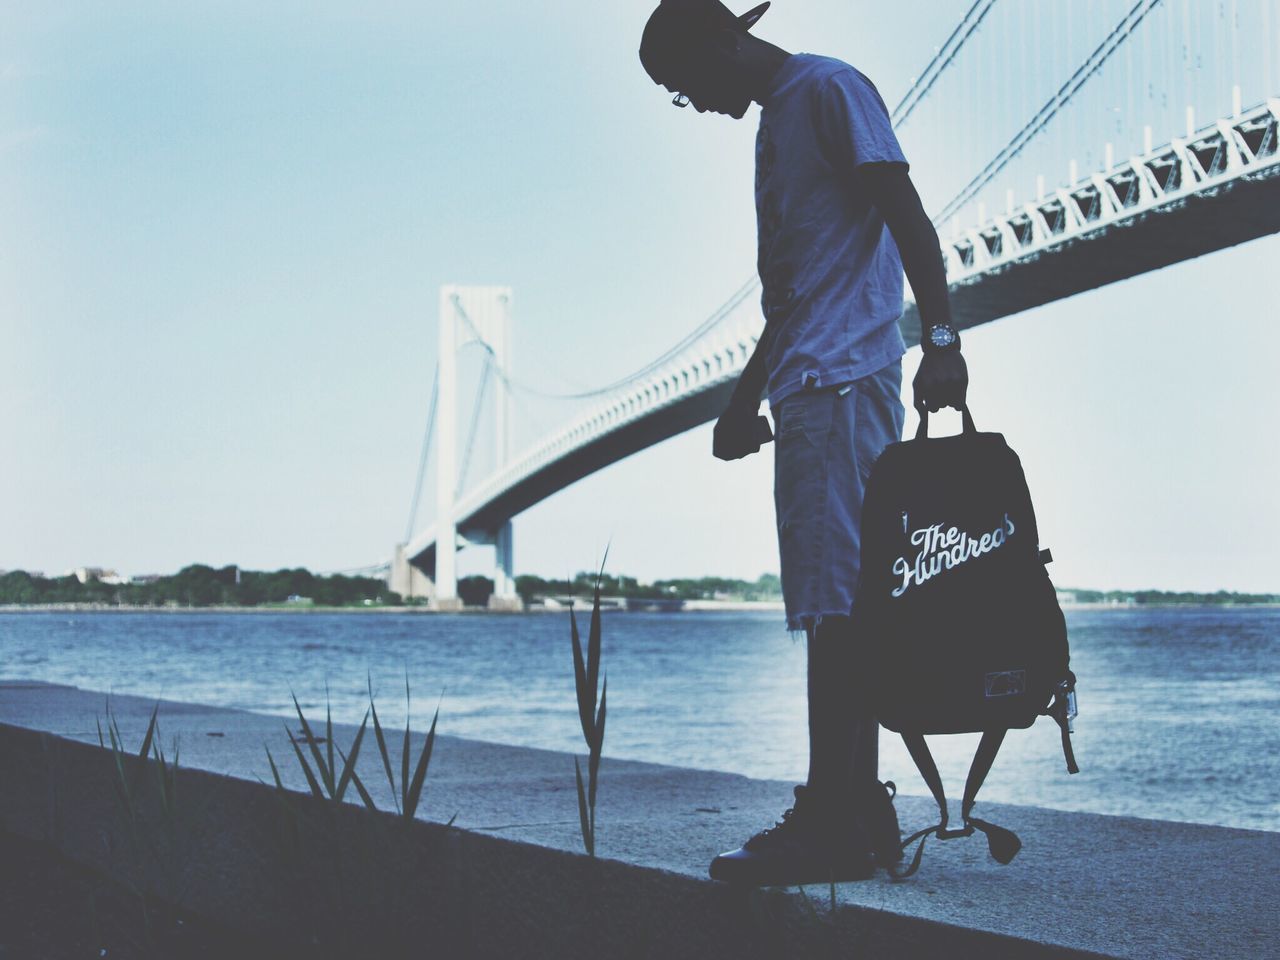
[{"x": 223, "y": 228}]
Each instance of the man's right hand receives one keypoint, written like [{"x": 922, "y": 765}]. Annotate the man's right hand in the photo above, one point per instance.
[
  {"x": 739, "y": 432},
  {"x": 941, "y": 381}
]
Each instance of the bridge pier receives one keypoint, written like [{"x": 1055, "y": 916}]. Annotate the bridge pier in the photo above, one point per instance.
[
  {"x": 407, "y": 580},
  {"x": 504, "y": 596}
]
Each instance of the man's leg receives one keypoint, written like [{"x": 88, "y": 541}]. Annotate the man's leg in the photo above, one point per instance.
[
  {"x": 825, "y": 442},
  {"x": 843, "y": 731},
  {"x": 843, "y": 734}
]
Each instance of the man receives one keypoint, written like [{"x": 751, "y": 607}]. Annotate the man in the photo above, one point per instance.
[{"x": 830, "y": 176}]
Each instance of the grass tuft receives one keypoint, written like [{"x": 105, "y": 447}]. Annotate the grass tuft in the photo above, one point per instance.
[
  {"x": 586, "y": 676},
  {"x": 408, "y": 793},
  {"x": 331, "y": 783}
]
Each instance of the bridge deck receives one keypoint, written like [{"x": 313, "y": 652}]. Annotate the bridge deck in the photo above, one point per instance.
[{"x": 1186, "y": 199}]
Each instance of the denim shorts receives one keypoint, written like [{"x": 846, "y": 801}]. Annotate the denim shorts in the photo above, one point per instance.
[{"x": 826, "y": 441}]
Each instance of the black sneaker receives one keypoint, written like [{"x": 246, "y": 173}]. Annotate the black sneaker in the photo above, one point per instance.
[{"x": 803, "y": 847}]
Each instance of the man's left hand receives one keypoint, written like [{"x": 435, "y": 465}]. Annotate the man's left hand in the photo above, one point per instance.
[
  {"x": 941, "y": 381},
  {"x": 739, "y": 432}
]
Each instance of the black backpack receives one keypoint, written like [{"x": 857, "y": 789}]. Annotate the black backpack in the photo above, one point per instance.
[{"x": 958, "y": 620}]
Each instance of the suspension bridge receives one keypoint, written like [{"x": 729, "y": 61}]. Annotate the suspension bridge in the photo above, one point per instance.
[{"x": 1160, "y": 119}]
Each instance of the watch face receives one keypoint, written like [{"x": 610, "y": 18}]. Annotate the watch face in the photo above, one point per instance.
[{"x": 941, "y": 336}]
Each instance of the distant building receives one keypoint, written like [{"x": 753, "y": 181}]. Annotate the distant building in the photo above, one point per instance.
[
  {"x": 101, "y": 574},
  {"x": 146, "y": 578}
]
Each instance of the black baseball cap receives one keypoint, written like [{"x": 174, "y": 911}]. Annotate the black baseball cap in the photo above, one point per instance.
[{"x": 673, "y": 36}]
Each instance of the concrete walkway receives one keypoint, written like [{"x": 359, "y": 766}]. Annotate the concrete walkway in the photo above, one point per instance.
[{"x": 1082, "y": 885}]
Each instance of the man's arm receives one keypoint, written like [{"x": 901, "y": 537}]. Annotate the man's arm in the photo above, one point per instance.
[
  {"x": 751, "y": 382},
  {"x": 737, "y": 433},
  {"x": 943, "y": 378}
]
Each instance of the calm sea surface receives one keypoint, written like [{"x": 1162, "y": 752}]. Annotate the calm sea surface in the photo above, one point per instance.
[{"x": 1178, "y": 707}]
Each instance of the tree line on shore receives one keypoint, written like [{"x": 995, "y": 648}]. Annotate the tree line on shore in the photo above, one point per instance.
[
  {"x": 1164, "y": 597},
  {"x": 765, "y": 587},
  {"x": 199, "y": 585}
]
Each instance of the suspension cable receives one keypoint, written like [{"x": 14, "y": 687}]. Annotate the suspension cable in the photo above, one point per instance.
[
  {"x": 716, "y": 317},
  {"x": 941, "y": 60},
  {"x": 356, "y": 571},
  {"x": 422, "y": 458},
  {"x": 1092, "y": 64}
]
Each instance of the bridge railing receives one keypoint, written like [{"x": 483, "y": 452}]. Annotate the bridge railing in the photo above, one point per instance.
[{"x": 1216, "y": 153}]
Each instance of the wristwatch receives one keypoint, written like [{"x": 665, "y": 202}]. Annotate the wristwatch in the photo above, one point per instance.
[{"x": 941, "y": 336}]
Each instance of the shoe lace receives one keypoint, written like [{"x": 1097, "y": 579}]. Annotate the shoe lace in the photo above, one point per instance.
[{"x": 786, "y": 821}]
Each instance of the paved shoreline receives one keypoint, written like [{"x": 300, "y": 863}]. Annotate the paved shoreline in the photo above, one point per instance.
[{"x": 1084, "y": 885}]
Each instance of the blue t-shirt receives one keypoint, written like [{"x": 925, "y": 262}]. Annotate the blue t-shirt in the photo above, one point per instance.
[{"x": 830, "y": 270}]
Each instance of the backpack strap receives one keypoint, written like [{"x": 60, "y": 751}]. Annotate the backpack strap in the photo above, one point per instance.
[
  {"x": 966, "y": 422},
  {"x": 1058, "y": 710},
  {"x": 1003, "y": 844}
]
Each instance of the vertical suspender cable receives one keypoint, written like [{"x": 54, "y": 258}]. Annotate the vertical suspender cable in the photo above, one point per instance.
[
  {"x": 1268, "y": 88},
  {"x": 1234, "y": 78},
  {"x": 1187, "y": 58},
  {"x": 1128, "y": 95},
  {"x": 1220, "y": 78},
  {"x": 1146, "y": 73},
  {"x": 1092, "y": 64}
]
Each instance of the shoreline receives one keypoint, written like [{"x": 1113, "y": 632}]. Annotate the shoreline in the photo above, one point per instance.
[{"x": 690, "y": 606}]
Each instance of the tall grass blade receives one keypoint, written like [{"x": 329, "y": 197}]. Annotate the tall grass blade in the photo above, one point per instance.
[
  {"x": 382, "y": 749},
  {"x": 326, "y": 773},
  {"x": 117, "y": 752},
  {"x": 151, "y": 731},
  {"x": 166, "y": 780},
  {"x": 580, "y": 678},
  {"x": 101, "y": 742},
  {"x": 404, "y": 750},
  {"x": 349, "y": 762},
  {"x": 588, "y": 840},
  {"x": 359, "y": 785},
  {"x": 599, "y": 725},
  {"x": 420, "y": 773},
  {"x": 593, "y": 649},
  {"x": 275, "y": 773},
  {"x": 593, "y": 760},
  {"x": 306, "y": 767},
  {"x": 328, "y": 736}
]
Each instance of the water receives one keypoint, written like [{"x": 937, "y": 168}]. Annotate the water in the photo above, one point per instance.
[{"x": 1177, "y": 721}]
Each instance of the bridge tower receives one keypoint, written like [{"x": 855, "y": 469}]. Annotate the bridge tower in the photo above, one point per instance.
[{"x": 467, "y": 315}]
